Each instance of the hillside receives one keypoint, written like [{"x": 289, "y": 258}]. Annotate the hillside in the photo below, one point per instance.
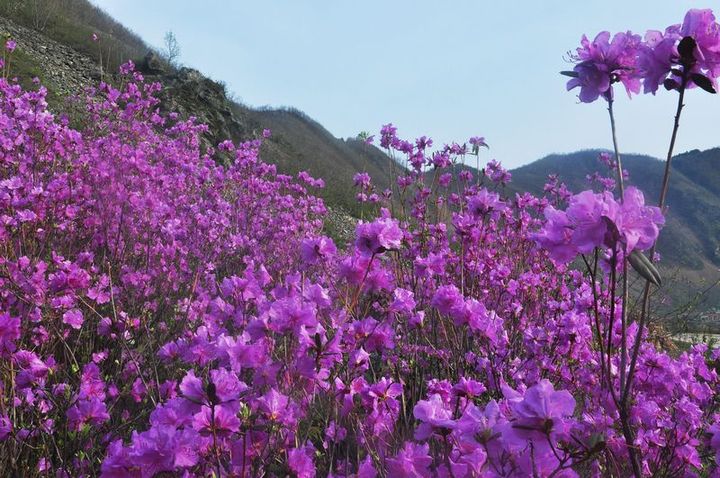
[
  {"x": 60, "y": 51},
  {"x": 691, "y": 238},
  {"x": 690, "y": 242}
]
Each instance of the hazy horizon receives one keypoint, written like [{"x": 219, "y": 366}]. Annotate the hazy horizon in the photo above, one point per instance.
[{"x": 450, "y": 72}]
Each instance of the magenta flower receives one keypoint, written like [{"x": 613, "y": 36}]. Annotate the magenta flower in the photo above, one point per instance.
[
  {"x": 597, "y": 220},
  {"x": 656, "y": 57},
  {"x": 318, "y": 249},
  {"x": 275, "y": 406},
  {"x": 218, "y": 420},
  {"x": 378, "y": 236},
  {"x": 73, "y": 318},
  {"x": 413, "y": 461},
  {"x": 300, "y": 461},
  {"x": 435, "y": 417},
  {"x": 542, "y": 408},
  {"x": 702, "y": 27},
  {"x": 485, "y": 202},
  {"x": 603, "y": 62},
  {"x": 92, "y": 411},
  {"x": 9, "y": 333},
  {"x": 10, "y": 45}
]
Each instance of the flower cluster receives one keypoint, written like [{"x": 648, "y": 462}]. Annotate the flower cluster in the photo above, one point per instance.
[
  {"x": 161, "y": 314},
  {"x": 682, "y": 56},
  {"x": 598, "y": 220}
]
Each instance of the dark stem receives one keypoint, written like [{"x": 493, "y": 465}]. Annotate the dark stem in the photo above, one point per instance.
[
  {"x": 616, "y": 148},
  {"x": 624, "y": 383},
  {"x": 661, "y": 203},
  {"x": 629, "y": 439},
  {"x": 623, "y": 328},
  {"x": 668, "y": 160}
]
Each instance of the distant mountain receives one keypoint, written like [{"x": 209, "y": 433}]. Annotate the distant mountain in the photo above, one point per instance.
[
  {"x": 689, "y": 243},
  {"x": 691, "y": 237}
]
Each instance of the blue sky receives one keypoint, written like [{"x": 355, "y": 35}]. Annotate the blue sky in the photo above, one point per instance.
[{"x": 449, "y": 70}]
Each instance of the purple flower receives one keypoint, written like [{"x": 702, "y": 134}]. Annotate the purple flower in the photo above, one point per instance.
[
  {"x": 10, "y": 45},
  {"x": 597, "y": 220},
  {"x": 366, "y": 469},
  {"x": 449, "y": 301},
  {"x": 163, "y": 448},
  {"x": 434, "y": 415},
  {"x": 413, "y": 461},
  {"x": 218, "y": 420},
  {"x": 73, "y": 318},
  {"x": 92, "y": 411},
  {"x": 362, "y": 180},
  {"x": 192, "y": 388},
  {"x": 701, "y": 25},
  {"x": 542, "y": 408},
  {"x": 468, "y": 388},
  {"x": 275, "y": 406},
  {"x": 9, "y": 333},
  {"x": 378, "y": 236},
  {"x": 714, "y": 431},
  {"x": 387, "y": 136},
  {"x": 603, "y": 62},
  {"x": 639, "y": 225},
  {"x": 485, "y": 202},
  {"x": 314, "y": 250},
  {"x": 656, "y": 57},
  {"x": 118, "y": 463},
  {"x": 478, "y": 141},
  {"x": 404, "y": 301},
  {"x": 227, "y": 386},
  {"x": 300, "y": 461}
]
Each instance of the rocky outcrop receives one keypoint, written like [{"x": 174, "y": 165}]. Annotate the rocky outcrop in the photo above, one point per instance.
[
  {"x": 64, "y": 70},
  {"x": 190, "y": 93}
]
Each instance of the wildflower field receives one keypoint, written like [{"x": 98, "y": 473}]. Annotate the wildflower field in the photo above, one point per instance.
[{"x": 164, "y": 315}]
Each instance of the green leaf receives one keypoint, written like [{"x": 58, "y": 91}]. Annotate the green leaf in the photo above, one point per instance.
[
  {"x": 703, "y": 82},
  {"x": 571, "y": 74},
  {"x": 644, "y": 267}
]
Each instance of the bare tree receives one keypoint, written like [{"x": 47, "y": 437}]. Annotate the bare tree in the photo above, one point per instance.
[
  {"x": 172, "y": 48},
  {"x": 42, "y": 11}
]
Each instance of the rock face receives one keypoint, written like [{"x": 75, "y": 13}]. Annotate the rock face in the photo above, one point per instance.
[
  {"x": 189, "y": 93},
  {"x": 65, "y": 71},
  {"x": 152, "y": 64},
  {"x": 186, "y": 91}
]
